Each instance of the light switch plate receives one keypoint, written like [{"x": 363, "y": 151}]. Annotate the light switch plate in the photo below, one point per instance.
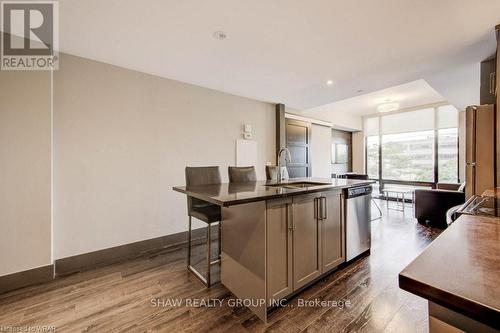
[{"x": 247, "y": 128}]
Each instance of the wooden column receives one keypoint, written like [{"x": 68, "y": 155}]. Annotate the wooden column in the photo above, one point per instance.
[{"x": 497, "y": 111}]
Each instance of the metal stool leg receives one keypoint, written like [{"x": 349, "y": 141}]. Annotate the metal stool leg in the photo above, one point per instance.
[
  {"x": 379, "y": 210},
  {"x": 209, "y": 252},
  {"x": 208, "y": 279},
  {"x": 189, "y": 243},
  {"x": 220, "y": 238}
]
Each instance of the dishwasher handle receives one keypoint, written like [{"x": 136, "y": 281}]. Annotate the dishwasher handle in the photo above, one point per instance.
[{"x": 358, "y": 191}]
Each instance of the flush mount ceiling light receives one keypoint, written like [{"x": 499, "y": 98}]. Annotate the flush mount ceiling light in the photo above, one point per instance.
[
  {"x": 388, "y": 107},
  {"x": 329, "y": 83},
  {"x": 220, "y": 35}
]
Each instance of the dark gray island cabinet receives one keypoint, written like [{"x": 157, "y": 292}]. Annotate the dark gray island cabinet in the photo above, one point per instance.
[{"x": 278, "y": 238}]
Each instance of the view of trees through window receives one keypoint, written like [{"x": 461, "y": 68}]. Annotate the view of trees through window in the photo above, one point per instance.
[
  {"x": 408, "y": 145},
  {"x": 408, "y": 156},
  {"x": 448, "y": 155},
  {"x": 372, "y": 143}
]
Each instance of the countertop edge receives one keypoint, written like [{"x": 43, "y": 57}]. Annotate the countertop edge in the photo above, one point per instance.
[
  {"x": 461, "y": 304},
  {"x": 195, "y": 195},
  {"x": 465, "y": 306},
  {"x": 181, "y": 189}
]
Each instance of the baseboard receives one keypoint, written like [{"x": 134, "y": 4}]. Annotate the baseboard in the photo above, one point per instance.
[
  {"x": 124, "y": 252},
  {"x": 26, "y": 278},
  {"x": 96, "y": 259}
]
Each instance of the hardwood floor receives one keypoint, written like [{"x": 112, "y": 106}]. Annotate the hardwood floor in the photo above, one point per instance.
[{"x": 124, "y": 296}]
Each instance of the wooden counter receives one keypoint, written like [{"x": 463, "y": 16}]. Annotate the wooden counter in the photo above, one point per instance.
[{"x": 460, "y": 270}]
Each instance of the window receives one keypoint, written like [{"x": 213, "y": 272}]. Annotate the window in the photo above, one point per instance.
[
  {"x": 372, "y": 155},
  {"x": 447, "y": 144},
  {"x": 407, "y": 142},
  {"x": 372, "y": 147},
  {"x": 408, "y": 156}
]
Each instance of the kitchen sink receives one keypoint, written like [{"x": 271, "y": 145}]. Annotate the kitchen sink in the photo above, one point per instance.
[{"x": 298, "y": 184}]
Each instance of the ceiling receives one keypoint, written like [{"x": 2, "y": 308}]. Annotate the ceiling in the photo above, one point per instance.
[
  {"x": 283, "y": 51},
  {"x": 407, "y": 95}
]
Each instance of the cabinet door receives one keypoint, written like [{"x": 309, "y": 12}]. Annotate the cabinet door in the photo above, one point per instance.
[
  {"x": 332, "y": 230},
  {"x": 488, "y": 78},
  {"x": 279, "y": 248},
  {"x": 306, "y": 240}
]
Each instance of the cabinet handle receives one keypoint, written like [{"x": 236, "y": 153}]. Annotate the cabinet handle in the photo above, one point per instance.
[
  {"x": 320, "y": 208},
  {"x": 289, "y": 217},
  {"x": 492, "y": 82},
  {"x": 316, "y": 208},
  {"x": 323, "y": 208}
]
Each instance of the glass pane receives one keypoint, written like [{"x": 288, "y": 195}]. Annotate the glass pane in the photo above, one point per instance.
[
  {"x": 411, "y": 121},
  {"x": 372, "y": 144},
  {"x": 408, "y": 156},
  {"x": 447, "y": 117},
  {"x": 448, "y": 155}
]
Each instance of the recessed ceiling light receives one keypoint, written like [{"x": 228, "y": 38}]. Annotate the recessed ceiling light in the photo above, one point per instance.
[
  {"x": 388, "y": 107},
  {"x": 329, "y": 82},
  {"x": 220, "y": 35}
]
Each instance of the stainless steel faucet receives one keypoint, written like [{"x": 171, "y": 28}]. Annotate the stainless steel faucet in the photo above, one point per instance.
[{"x": 288, "y": 158}]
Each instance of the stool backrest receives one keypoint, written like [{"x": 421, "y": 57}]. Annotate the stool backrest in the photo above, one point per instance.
[
  {"x": 241, "y": 174},
  {"x": 198, "y": 176}
]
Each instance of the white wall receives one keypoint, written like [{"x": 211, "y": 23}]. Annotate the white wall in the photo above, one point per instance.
[
  {"x": 321, "y": 151},
  {"x": 25, "y": 180},
  {"x": 121, "y": 141}
]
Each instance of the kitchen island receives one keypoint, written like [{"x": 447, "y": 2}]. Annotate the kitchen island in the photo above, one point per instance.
[{"x": 278, "y": 238}]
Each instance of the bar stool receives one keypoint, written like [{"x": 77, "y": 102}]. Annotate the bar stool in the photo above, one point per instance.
[
  {"x": 241, "y": 174},
  {"x": 205, "y": 212}
]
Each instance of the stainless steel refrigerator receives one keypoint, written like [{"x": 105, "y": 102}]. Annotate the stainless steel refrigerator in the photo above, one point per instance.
[{"x": 480, "y": 149}]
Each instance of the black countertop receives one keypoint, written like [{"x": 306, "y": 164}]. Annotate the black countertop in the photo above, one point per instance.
[{"x": 239, "y": 193}]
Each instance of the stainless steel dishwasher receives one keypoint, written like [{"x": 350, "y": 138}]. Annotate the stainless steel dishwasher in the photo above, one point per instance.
[{"x": 358, "y": 216}]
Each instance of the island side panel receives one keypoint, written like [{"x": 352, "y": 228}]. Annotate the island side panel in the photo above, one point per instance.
[{"x": 243, "y": 264}]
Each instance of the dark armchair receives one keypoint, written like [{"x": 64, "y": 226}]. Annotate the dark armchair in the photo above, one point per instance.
[{"x": 431, "y": 205}]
